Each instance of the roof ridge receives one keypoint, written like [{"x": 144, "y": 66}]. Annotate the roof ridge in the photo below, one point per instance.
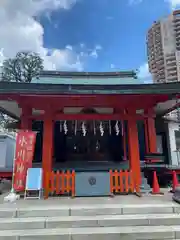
[{"x": 122, "y": 74}]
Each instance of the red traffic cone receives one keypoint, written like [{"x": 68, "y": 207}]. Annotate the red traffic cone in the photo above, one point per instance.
[
  {"x": 174, "y": 181},
  {"x": 156, "y": 188}
]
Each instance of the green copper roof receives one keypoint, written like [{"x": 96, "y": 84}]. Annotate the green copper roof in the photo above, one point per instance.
[
  {"x": 87, "y": 80},
  {"x": 40, "y": 88}
]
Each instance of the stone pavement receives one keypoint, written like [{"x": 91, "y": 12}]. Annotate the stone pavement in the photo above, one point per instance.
[
  {"x": 124, "y": 199},
  {"x": 122, "y": 217}
]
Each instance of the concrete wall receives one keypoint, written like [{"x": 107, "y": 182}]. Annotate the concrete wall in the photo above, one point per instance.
[
  {"x": 172, "y": 126},
  {"x": 8, "y": 153},
  {"x": 11, "y": 143}
]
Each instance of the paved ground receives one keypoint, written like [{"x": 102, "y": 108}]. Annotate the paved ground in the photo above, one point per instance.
[{"x": 64, "y": 201}]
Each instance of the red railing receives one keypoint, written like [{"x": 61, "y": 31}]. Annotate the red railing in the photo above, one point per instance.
[
  {"x": 123, "y": 182},
  {"x": 60, "y": 183}
]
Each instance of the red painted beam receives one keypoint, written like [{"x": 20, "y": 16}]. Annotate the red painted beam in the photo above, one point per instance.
[
  {"x": 78, "y": 101},
  {"x": 113, "y": 101},
  {"x": 87, "y": 117},
  {"x": 27, "y": 97},
  {"x": 87, "y": 101}
]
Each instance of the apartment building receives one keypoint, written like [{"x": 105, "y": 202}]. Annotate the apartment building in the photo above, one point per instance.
[{"x": 163, "y": 49}]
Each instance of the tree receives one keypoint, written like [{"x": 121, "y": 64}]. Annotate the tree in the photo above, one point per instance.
[
  {"x": 23, "y": 68},
  {"x": 7, "y": 123}
]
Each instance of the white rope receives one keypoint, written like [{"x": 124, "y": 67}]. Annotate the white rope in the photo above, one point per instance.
[
  {"x": 101, "y": 129},
  {"x": 84, "y": 130},
  {"x": 65, "y": 128},
  {"x": 117, "y": 128}
]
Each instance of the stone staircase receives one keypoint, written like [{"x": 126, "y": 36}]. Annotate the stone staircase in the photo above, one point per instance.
[{"x": 97, "y": 222}]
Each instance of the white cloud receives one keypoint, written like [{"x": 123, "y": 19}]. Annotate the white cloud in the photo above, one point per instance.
[
  {"x": 144, "y": 74},
  {"x": 20, "y": 31},
  {"x": 98, "y": 47},
  {"x": 173, "y": 3},
  {"x": 109, "y": 18},
  {"x": 144, "y": 71},
  {"x": 1, "y": 56},
  {"x": 112, "y": 66},
  {"x": 69, "y": 47},
  {"x": 56, "y": 25},
  {"x": 82, "y": 45},
  {"x": 94, "y": 52},
  {"x": 131, "y": 2}
]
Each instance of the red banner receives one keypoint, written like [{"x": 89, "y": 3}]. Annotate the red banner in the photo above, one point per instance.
[{"x": 25, "y": 144}]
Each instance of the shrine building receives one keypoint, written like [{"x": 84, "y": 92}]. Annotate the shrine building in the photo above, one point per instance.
[{"x": 90, "y": 122}]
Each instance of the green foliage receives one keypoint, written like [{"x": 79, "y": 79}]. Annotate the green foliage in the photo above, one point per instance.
[
  {"x": 5, "y": 122},
  {"x": 23, "y": 68}
]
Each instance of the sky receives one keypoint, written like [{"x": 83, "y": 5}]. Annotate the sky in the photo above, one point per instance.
[{"x": 82, "y": 35}]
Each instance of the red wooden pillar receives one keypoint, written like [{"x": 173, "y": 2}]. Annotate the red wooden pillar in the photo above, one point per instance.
[
  {"x": 26, "y": 123},
  {"x": 47, "y": 146},
  {"x": 150, "y": 132},
  {"x": 134, "y": 158}
]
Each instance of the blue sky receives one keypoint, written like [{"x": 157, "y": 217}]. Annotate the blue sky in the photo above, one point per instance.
[
  {"x": 88, "y": 35},
  {"x": 117, "y": 28}
]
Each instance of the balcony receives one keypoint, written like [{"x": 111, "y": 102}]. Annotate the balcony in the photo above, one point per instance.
[
  {"x": 160, "y": 67},
  {"x": 170, "y": 56},
  {"x": 174, "y": 115},
  {"x": 160, "y": 80},
  {"x": 172, "y": 78},
  {"x": 171, "y": 70},
  {"x": 178, "y": 46},
  {"x": 172, "y": 75},
  {"x": 171, "y": 61},
  {"x": 177, "y": 27},
  {"x": 178, "y": 37},
  {"x": 171, "y": 64},
  {"x": 176, "y": 22},
  {"x": 160, "y": 75},
  {"x": 160, "y": 63},
  {"x": 158, "y": 50}
]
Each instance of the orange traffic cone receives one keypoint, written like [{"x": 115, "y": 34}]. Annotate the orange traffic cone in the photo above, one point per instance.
[
  {"x": 156, "y": 188},
  {"x": 175, "y": 183}
]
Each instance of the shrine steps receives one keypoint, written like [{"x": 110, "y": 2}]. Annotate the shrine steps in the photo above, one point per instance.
[
  {"x": 51, "y": 209},
  {"x": 99, "y": 233},
  {"x": 106, "y": 221},
  {"x": 90, "y": 221}
]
